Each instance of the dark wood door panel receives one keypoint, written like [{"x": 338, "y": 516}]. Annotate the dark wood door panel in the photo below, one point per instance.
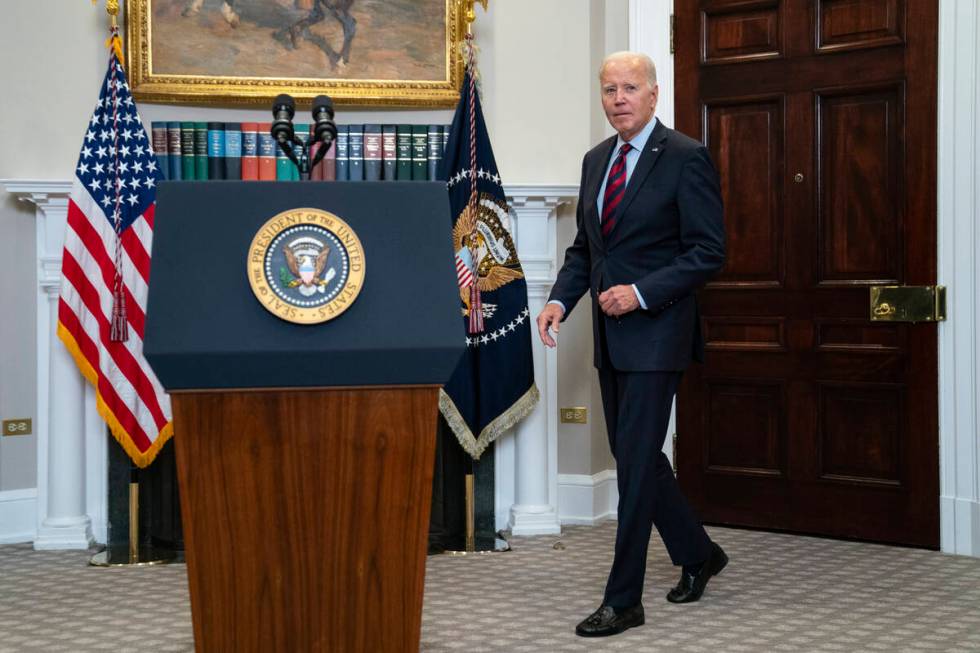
[
  {"x": 806, "y": 416},
  {"x": 737, "y": 32},
  {"x": 850, "y": 24},
  {"x": 745, "y": 138},
  {"x": 860, "y": 135}
]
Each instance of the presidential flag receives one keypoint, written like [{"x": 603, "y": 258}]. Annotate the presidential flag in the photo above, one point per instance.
[
  {"x": 493, "y": 386},
  {"x": 106, "y": 269}
]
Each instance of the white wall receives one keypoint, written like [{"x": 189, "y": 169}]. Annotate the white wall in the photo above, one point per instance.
[{"x": 540, "y": 99}]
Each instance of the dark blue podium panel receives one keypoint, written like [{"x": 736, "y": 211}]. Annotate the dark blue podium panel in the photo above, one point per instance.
[{"x": 205, "y": 328}]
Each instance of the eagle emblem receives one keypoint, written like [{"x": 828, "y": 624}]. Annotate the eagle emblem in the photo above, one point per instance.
[
  {"x": 306, "y": 266},
  {"x": 485, "y": 254}
]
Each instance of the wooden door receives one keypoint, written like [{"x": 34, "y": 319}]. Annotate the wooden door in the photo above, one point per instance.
[{"x": 821, "y": 118}]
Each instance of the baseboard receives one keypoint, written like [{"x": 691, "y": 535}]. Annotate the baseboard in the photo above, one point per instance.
[
  {"x": 18, "y": 516},
  {"x": 960, "y": 519},
  {"x": 585, "y": 499}
]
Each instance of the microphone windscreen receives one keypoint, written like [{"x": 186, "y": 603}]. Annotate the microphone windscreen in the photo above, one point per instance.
[
  {"x": 322, "y": 103},
  {"x": 284, "y": 102}
]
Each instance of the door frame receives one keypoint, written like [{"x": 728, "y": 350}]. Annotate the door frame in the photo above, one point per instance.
[{"x": 958, "y": 243}]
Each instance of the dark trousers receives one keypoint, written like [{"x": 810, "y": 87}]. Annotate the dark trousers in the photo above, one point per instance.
[{"x": 637, "y": 410}]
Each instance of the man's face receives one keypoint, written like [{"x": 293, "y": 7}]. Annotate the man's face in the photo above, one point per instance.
[{"x": 627, "y": 98}]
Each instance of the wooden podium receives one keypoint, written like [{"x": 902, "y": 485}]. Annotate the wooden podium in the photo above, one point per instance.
[{"x": 304, "y": 452}]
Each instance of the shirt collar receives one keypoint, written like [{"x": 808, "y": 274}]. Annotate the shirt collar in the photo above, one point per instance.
[{"x": 639, "y": 141}]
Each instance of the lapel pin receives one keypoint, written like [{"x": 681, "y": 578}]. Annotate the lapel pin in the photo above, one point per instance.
[{"x": 656, "y": 149}]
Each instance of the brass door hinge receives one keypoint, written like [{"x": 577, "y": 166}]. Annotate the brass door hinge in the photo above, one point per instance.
[
  {"x": 908, "y": 303},
  {"x": 673, "y": 24}
]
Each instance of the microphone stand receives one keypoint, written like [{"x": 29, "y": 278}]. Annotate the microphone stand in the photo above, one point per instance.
[{"x": 303, "y": 162}]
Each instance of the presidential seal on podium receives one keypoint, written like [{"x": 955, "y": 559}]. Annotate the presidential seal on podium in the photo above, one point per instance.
[{"x": 306, "y": 266}]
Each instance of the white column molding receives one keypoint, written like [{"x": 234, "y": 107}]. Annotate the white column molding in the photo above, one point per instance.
[
  {"x": 527, "y": 459},
  {"x": 959, "y": 249},
  {"x": 649, "y": 33},
  {"x": 649, "y": 30},
  {"x": 68, "y": 455}
]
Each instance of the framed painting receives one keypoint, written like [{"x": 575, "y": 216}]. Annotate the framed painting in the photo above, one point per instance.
[{"x": 359, "y": 52}]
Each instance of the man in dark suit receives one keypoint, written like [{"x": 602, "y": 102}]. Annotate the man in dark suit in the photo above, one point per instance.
[{"x": 649, "y": 235}]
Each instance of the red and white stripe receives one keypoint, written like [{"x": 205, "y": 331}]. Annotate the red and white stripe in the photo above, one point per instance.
[
  {"x": 126, "y": 385},
  {"x": 463, "y": 274}
]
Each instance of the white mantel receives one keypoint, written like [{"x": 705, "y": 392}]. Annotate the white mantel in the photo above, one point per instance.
[{"x": 71, "y": 501}]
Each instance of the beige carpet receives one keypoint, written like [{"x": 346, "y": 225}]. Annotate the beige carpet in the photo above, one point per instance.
[{"x": 780, "y": 593}]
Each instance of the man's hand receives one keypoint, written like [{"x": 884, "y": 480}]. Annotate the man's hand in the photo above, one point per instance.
[
  {"x": 549, "y": 318},
  {"x": 618, "y": 300}
]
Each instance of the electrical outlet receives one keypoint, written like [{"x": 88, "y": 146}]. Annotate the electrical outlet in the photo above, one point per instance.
[
  {"x": 574, "y": 415},
  {"x": 17, "y": 426}
]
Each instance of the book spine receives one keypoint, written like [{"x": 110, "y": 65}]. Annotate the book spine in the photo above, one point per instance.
[
  {"x": 267, "y": 152},
  {"x": 445, "y": 138},
  {"x": 372, "y": 152},
  {"x": 175, "y": 151},
  {"x": 201, "y": 147},
  {"x": 284, "y": 167},
  {"x": 329, "y": 163},
  {"x": 188, "y": 166},
  {"x": 250, "y": 151},
  {"x": 233, "y": 150},
  {"x": 420, "y": 153},
  {"x": 343, "y": 154},
  {"x": 216, "y": 150},
  {"x": 302, "y": 133},
  {"x": 435, "y": 150},
  {"x": 355, "y": 152},
  {"x": 159, "y": 132},
  {"x": 389, "y": 152},
  {"x": 316, "y": 171},
  {"x": 403, "y": 162}
]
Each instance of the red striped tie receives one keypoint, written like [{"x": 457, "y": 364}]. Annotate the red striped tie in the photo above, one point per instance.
[{"x": 615, "y": 189}]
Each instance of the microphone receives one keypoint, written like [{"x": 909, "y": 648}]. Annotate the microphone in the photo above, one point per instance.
[
  {"x": 283, "y": 110},
  {"x": 324, "y": 128}
]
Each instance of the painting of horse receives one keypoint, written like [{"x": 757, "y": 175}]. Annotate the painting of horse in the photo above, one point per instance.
[{"x": 300, "y": 39}]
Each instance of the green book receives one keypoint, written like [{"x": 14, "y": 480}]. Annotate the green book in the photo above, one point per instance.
[
  {"x": 201, "y": 150},
  {"x": 284, "y": 167},
  {"x": 420, "y": 152},
  {"x": 188, "y": 165},
  {"x": 403, "y": 140}
]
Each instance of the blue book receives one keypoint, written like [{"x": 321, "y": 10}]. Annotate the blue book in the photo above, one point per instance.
[
  {"x": 216, "y": 150},
  {"x": 174, "y": 149},
  {"x": 343, "y": 158},
  {"x": 159, "y": 135},
  {"x": 233, "y": 150}
]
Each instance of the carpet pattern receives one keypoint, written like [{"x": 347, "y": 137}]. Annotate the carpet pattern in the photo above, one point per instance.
[{"x": 779, "y": 593}]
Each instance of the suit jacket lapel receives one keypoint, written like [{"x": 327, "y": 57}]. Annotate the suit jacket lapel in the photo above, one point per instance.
[{"x": 648, "y": 158}]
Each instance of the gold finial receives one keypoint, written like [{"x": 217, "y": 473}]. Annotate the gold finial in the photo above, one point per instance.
[
  {"x": 471, "y": 12},
  {"x": 111, "y": 8}
]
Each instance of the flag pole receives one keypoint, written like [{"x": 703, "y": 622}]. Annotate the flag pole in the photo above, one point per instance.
[{"x": 475, "y": 305}]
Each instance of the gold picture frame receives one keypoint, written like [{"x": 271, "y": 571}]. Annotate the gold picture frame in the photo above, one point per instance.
[{"x": 190, "y": 52}]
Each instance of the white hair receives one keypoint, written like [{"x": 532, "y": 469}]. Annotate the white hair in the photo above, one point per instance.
[{"x": 632, "y": 57}]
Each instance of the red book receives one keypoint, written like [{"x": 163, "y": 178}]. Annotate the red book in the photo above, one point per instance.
[
  {"x": 250, "y": 151},
  {"x": 329, "y": 163},
  {"x": 267, "y": 152},
  {"x": 316, "y": 172}
]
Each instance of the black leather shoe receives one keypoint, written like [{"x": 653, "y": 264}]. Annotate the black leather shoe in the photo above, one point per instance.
[
  {"x": 605, "y": 621},
  {"x": 691, "y": 586}
]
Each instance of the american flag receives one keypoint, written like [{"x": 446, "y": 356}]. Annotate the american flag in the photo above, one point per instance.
[{"x": 107, "y": 247}]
